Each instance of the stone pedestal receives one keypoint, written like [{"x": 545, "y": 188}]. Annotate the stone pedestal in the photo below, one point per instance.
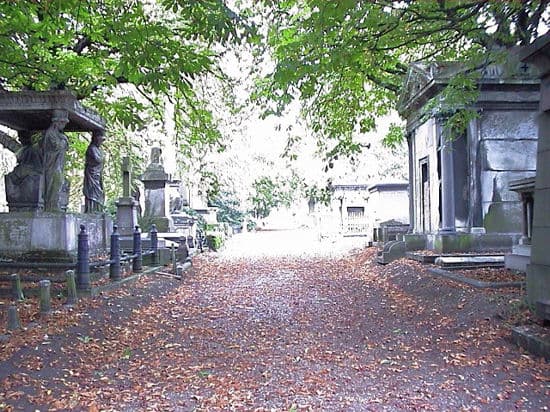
[
  {"x": 157, "y": 204},
  {"x": 126, "y": 215},
  {"x": 538, "y": 272},
  {"x": 51, "y": 237}
]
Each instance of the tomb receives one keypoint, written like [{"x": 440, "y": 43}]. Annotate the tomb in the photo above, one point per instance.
[
  {"x": 538, "y": 271},
  {"x": 38, "y": 226},
  {"x": 460, "y": 199}
]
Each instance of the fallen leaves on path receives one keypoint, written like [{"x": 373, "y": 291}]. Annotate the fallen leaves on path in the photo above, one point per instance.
[{"x": 278, "y": 334}]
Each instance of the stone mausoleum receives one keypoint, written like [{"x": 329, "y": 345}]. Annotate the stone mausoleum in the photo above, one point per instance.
[
  {"x": 538, "y": 271},
  {"x": 460, "y": 198}
]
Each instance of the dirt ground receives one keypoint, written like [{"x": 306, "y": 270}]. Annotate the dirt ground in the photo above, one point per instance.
[{"x": 279, "y": 321}]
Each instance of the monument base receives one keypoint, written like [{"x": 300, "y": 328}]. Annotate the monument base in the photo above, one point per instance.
[
  {"x": 126, "y": 215},
  {"x": 163, "y": 224},
  {"x": 51, "y": 237},
  {"x": 461, "y": 242}
]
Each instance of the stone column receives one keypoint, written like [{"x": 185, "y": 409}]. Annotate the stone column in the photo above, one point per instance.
[
  {"x": 538, "y": 272},
  {"x": 126, "y": 213},
  {"x": 447, "y": 177},
  {"x": 412, "y": 216}
]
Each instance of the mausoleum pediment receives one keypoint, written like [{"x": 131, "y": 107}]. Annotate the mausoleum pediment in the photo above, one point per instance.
[
  {"x": 422, "y": 82},
  {"x": 425, "y": 80}
]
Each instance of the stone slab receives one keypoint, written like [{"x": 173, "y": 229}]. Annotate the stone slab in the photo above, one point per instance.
[
  {"x": 522, "y": 250},
  {"x": 500, "y": 155},
  {"x": 469, "y": 262},
  {"x": 509, "y": 124}
]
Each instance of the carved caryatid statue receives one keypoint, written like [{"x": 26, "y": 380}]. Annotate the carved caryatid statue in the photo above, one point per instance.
[
  {"x": 53, "y": 146},
  {"x": 93, "y": 179},
  {"x": 25, "y": 183}
]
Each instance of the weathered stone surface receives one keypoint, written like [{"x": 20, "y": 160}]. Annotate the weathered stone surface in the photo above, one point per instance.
[
  {"x": 538, "y": 278},
  {"x": 50, "y": 236},
  {"x": 542, "y": 208},
  {"x": 495, "y": 185},
  {"x": 467, "y": 242},
  {"x": 126, "y": 215},
  {"x": 501, "y": 155},
  {"x": 502, "y": 217},
  {"x": 463, "y": 262},
  {"x": 508, "y": 125},
  {"x": 543, "y": 172},
  {"x": 542, "y": 308},
  {"x": 30, "y": 110},
  {"x": 415, "y": 241},
  {"x": 13, "y": 318},
  {"x": 540, "y": 245},
  {"x": 393, "y": 250},
  {"x": 157, "y": 202}
]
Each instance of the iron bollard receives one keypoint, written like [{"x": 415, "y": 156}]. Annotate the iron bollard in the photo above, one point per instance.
[
  {"x": 72, "y": 297},
  {"x": 45, "y": 296},
  {"x": 16, "y": 289},
  {"x": 138, "y": 259},
  {"x": 114, "y": 267},
  {"x": 13, "y": 318},
  {"x": 83, "y": 261},
  {"x": 154, "y": 244}
]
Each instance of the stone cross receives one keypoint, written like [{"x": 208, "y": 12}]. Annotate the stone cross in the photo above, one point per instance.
[{"x": 126, "y": 176}]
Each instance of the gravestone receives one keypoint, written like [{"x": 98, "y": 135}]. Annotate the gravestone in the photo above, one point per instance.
[
  {"x": 155, "y": 179},
  {"x": 126, "y": 212}
]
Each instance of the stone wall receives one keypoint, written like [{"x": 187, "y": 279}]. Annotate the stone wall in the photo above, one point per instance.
[{"x": 508, "y": 147}]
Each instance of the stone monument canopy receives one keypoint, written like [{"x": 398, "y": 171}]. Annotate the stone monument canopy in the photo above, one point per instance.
[{"x": 31, "y": 110}]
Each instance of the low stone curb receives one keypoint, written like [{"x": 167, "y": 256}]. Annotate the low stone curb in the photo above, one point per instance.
[
  {"x": 473, "y": 282},
  {"x": 96, "y": 290},
  {"x": 533, "y": 338},
  {"x": 421, "y": 258}
]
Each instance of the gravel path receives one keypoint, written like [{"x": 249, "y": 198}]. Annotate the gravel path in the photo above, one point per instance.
[{"x": 277, "y": 321}]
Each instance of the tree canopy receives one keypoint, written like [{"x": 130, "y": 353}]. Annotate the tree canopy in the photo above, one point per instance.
[
  {"x": 127, "y": 59},
  {"x": 345, "y": 60}
]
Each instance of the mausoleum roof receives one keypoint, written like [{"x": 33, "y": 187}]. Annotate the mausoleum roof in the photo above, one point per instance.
[{"x": 424, "y": 80}]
